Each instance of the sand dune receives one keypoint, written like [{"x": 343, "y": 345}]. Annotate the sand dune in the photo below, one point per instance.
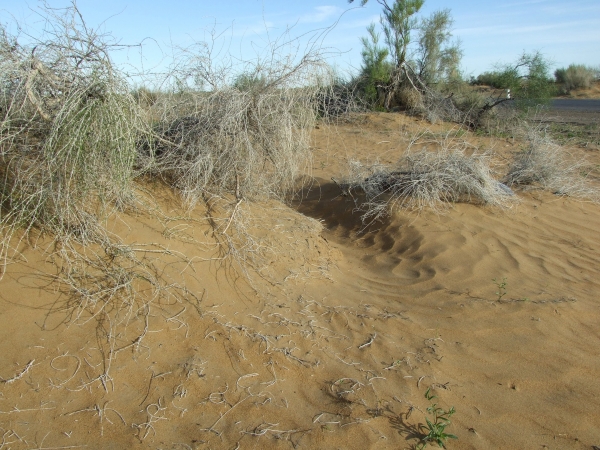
[{"x": 335, "y": 339}]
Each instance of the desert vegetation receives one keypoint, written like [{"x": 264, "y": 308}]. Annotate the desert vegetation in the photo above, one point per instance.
[
  {"x": 78, "y": 145},
  {"x": 576, "y": 76},
  {"x": 416, "y": 69},
  {"x": 77, "y": 139},
  {"x": 85, "y": 152},
  {"x": 545, "y": 164},
  {"x": 426, "y": 179},
  {"x": 412, "y": 63}
]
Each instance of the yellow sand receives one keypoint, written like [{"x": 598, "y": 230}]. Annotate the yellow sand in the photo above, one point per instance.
[{"x": 335, "y": 341}]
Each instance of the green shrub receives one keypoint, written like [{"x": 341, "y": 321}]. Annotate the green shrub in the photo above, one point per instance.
[
  {"x": 495, "y": 79},
  {"x": 576, "y": 76}
]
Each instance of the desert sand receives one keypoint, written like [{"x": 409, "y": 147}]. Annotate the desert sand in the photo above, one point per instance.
[{"x": 335, "y": 335}]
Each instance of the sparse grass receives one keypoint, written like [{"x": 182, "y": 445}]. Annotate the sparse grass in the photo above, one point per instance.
[{"x": 581, "y": 135}]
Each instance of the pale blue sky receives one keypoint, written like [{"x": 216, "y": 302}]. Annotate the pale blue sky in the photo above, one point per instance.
[{"x": 490, "y": 31}]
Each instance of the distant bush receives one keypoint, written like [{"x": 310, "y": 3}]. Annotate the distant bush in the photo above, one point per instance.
[
  {"x": 493, "y": 79},
  {"x": 145, "y": 97},
  {"x": 249, "y": 81},
  {"x": 576, "y": 76}
]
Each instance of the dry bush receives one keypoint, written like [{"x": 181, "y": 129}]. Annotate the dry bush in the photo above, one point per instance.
[
  {"x": 246, "y": 136},
  {"x": 548, "y": 165},
  {"x": 433, "y": 104},
  {"x": 427, "y": 179},
  {"x": 338, "y": 101},
  {"x": 231, "y": 141},
  {"x": 411, "y": 99},
  {"x": 68, "y": 133},
  {"x": 226, "y": 133},
  {"x": 576, "y": 76}
]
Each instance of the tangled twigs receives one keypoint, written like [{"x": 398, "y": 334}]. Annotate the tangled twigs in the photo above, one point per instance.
[{"x": 545, "y": 164}]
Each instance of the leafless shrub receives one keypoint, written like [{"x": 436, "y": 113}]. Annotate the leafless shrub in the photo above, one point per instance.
[
  {"x": 548, "y": 165},
  {"x": 427, "y": 179},
  {"x": 246, "y": 136},
  {"x": 338, "y": 100}
]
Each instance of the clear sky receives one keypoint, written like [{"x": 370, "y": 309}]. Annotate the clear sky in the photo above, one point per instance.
[{"x": 491, "y": 31}]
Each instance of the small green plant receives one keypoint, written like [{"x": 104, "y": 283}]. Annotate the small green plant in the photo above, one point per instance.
[
  {"x": 501, "y": 287},
  {"x": 436, "y": 428}
]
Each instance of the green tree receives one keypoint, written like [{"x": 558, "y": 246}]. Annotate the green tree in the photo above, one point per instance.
[
  {"x": 397, "y": 22},
  {"x": 528, "y": 79},
  {"x": 436, "y": 59},
  {"x": 529, "y": 82},
  {"x": 375, "y": 70},
  {"x": 433, "y": 59}
]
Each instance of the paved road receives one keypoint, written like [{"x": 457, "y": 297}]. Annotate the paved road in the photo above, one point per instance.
[{"x": 568, "y": 104}]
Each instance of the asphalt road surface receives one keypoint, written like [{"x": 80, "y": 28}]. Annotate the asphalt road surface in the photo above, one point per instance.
[{"x": 569, "y": 104}]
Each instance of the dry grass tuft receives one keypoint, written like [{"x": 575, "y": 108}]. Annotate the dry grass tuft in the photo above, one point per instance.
[
  {"x": 548, "y": 165},
  {"x": 427, "y": 179}
]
